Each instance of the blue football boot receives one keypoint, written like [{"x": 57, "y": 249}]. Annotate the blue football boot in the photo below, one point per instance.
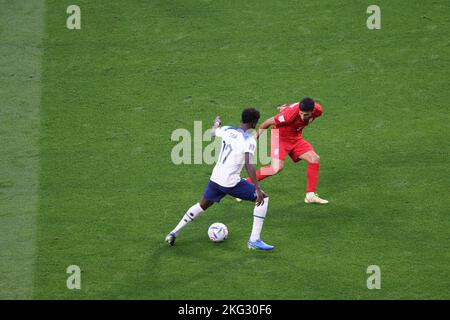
[{"x": 259, "y": 245}]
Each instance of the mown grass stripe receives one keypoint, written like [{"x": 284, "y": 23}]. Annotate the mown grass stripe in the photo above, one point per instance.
[{"x": 21, "y": 30}]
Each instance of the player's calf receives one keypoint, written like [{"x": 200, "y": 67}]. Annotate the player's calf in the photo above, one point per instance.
[{"x": 188, "y": 217}]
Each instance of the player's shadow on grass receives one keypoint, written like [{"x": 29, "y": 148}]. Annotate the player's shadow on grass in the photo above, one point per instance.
[{"x": 166, "y": 266}]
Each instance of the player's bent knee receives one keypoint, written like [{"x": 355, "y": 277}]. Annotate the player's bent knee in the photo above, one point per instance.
[
  {"x": 205, "y": 203},
  {"x": 277, "y": 169},
  {"x": 314, "y": 159}
]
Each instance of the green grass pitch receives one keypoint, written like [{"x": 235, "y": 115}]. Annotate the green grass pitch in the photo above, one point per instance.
[{"x": 86, "y": 176}]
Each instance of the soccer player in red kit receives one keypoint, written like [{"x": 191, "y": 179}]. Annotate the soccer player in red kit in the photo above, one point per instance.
[{"x": 286, "y": 139}]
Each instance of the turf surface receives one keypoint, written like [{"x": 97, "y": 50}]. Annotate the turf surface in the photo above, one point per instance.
[
  {"x": 21, "y": 31},
  {"x": 113, "y": 92}
]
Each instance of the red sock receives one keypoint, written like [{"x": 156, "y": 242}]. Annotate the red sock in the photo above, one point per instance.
[
  {"x": 268, "y": 171},
  {"x": 312, "y": 174}
]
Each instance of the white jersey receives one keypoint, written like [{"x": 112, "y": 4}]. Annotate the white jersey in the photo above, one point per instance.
[{"x": 235, "y": 143}]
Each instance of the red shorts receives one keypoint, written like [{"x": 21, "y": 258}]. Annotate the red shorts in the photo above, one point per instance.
[{"x": 280, "y": 148}]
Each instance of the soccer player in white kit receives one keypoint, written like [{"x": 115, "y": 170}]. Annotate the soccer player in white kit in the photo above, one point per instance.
[{"x": 238, "y": 147}]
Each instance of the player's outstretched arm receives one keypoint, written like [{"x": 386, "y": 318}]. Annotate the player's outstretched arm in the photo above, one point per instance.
[
  {"x": 252, "y": 175},
  {"x": 216, "y": 124},
  {"x": 265, "y": 125}
]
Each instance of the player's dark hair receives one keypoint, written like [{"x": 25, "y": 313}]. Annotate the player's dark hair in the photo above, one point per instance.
[
  {"x": 250, "y": 115},
  {"x": 306, "y": 104}
]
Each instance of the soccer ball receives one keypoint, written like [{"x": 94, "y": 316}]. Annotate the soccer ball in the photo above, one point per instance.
[{"x": 218, "y": 232}]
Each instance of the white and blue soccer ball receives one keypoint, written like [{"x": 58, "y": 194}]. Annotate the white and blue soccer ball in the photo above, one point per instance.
[{"x": 217, "y": 232}]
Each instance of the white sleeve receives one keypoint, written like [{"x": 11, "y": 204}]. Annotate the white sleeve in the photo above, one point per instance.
[
  {"x": 221, "y": 130},
  {"x": 250, "y": 146}
]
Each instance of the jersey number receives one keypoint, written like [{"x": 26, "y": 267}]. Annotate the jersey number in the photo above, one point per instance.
[{"x": 226, "y": 148}]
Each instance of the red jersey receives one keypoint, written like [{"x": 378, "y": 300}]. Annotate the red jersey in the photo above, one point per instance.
[{"x": 289, "y": 122}]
